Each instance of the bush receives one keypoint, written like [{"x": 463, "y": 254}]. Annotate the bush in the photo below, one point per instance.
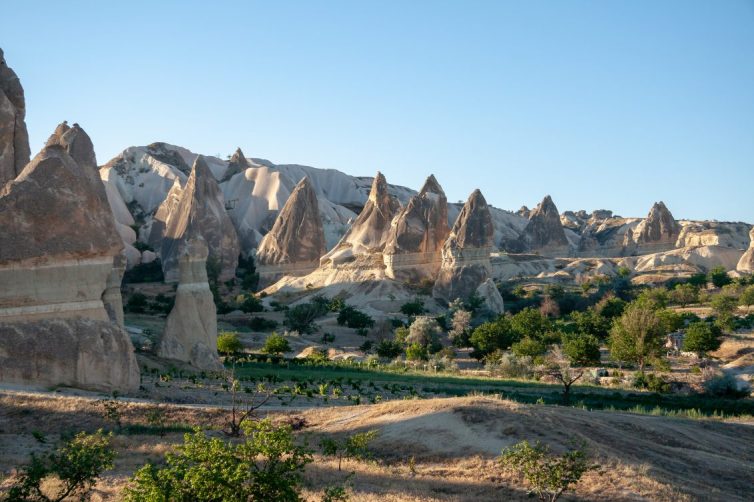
[
  {"x": 509, "y": 365},
  {"x": 250, "y": 303},
  {"x": 639, "y": 334},
  {"x": 276, "y": 344},
  {"x": 355, "y": 446},
  {"x": 144, "y": 272},
  {"x": 416, "y": 352},
  {"x": 354, "y": 318},
  {"x": 528, "y": 347},
  {"x": 389, "y": 349},
  {"x": 724, "y": 385},
  {"x": 651, "y": 382},
  {"x": 76, "y": 464},
  {"x": 137, "y": 303},
  {"x": 413, "y": 308},
  {"x": 548, "y": 474},
  {"x": 491, "y": 336},
  {"x": 701, "y": 337},
  {"x": 228, "y": 343},
  {"x": 426, "y": 332},
  {"x": 530, "y": 322},
  {"x": 301, "y": 317},
  {"x": 262, "y": 324},
  {"x": 582, "y": 349},
  {"x": 719, "y": 277},
  {"x": 267, "y": 465}
]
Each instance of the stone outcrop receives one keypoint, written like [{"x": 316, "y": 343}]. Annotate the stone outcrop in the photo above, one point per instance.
[
  {"x": 237, "y": 164},
  {"x": 417, "y": 234},
  {"x": 493, "y": 300},
  {"x": 544, "y": 234},
  {"x": 191, "y": 329},
  {"x": 58, "y": 248},
  {"x": 164, "y": 212},
  {"x": 14, "y": 139},
  {"x": 369, "y": 232},
  {"x": 466, "y": 252},
  {"x": 746, "y": 263},
  {"x": 200, "y": 211},
  {"x": 659, "y": 228},
  {"x": 296, "y": 241}
]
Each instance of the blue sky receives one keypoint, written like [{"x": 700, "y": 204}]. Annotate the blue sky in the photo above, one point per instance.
[{"x": 602, "y": 104}]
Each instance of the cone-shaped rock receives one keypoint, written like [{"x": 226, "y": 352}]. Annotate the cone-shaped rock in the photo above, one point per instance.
[
  {"x": 191, "y": 329},
  {"x": 369, "y": 232},
  {"x": 746, "y": 263},
  {"x": 14, "y": 139},
  {"x": 163, "y": 214},
  {"x": 237, "y": 164},
  {"x": 200, "y": 212},
  {"x": 466, "y": 252},
  {"x": 57, "y": 249},
  {"x": 544, "y": 233},
  {"x": 417, "y": 234},
  {"x": 659, "y": 227},
  {"x": 297, "y": 240}
]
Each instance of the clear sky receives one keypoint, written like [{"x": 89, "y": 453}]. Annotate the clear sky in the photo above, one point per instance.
[{"x": 602, "y": 104}]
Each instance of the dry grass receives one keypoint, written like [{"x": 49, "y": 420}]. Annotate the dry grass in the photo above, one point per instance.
[{"x": 454, "y": 443}]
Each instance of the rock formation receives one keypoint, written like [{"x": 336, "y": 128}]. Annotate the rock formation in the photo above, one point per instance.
[
  {"x": 14, "y": 139},
  {"x": 493, "y": 300},
  {"x": 191, "y": 329},
  {"x": 164, "y": 212},
  {"x": 417, "y": 234},
  {"x": 369, "y": 232},
  {"x": 57, "y": 252},
  {"x": 544, "y": 233},
  {"x": 466, "y": 252},
  {"x": 296, "y": 241},
  {"x": 658, "y": 229},
  {"x": 237, "y": 164},
  {"x": 200, "y": 211},
  {"x": 746, "y": 263}
]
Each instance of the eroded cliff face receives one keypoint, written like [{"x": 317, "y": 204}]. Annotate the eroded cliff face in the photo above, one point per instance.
[
  {"x": 296, "y": 241},
  {"x": 190, "y": 333},
  {"x": 369, "y": 232},
  {"x": 544, "y": 234},
  {"x": 466, "y": 252},
  {"x": 14, "y": 139},
  {"x": 237, "y": 164},
  {"x": 58, "y": 252},
  {"x": 200, "y": 211},
  {"x": 417, "y": 234},
  {"x": 746, "y": 263}
]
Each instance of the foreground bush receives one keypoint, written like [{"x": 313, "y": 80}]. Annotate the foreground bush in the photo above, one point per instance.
[
  {"x": 228, "y": 343},
  {"x": 266, "y": 466},
  {"x": 548, "y": 474},
  {"x": 76, "y": 464},
  {"x": 276, "y": 344}
]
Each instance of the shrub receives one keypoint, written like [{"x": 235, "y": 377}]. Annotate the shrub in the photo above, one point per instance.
[
  {"x": 509, "y": 365},
  {"x": 416, "y": 352},
  {"x": 137, "y": 303},
  {"x": 267, "y": 465},
  {"x": 491, "y": 336},
  {"x": 262, "y": 324},
  {"x": 354, "y": 318},
  {"x": 355, "y": 446},
  {"x": 719, "y": 277},
  {"x": 413, "y": 308},
  {"x": 250, "y": 303},
  {"x": 276, "y": 344},
  {"x": 638, "y": 335},
  {"x": 548, "y": 474},
  {"x": 650, "y": 381},
  {"x": 144, "y": 272},
  {"x": 530, "y": 322},
  {"x": 228, "y": 343},
  {"x": 724, "y": 385},
  {"x": 582, "y": 349},
  {"x": 425, "y": 331},
  {"x": 301, "y": 317},
  {"x": 77, "y": 464},
  {"x": 701, "y": 337},
  {"x": 460, "y": 325},
  {"x": 528, "y": 347},
  {"x": 389, "y": 349}
]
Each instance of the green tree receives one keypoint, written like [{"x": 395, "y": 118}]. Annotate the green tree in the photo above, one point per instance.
[
  {"x": 76, "y": 464},
  {"x": 228, "y": 343},
  {"x": 354, "y": 318},
  {"x": 530, "y": 322},
  {"x": 301, "y": 317},
  {"x": 491, "y": 336},
  {"x": 413, "y": 308},
  {"x": 582, "y": 349},
  {"x": 724, "y": 307},
  {"x": 267, "y": 465},
  {"x": 389, "y": 349},
  {"x": 460, "y": 325},
  {"x": 719, "y": 277},
  {"x": 416, "y": 352},
  {"x": 638, "y": 335},
  {"x": 276, "y": 344},
  {"x": 549, "y": 475},
  {"x": 701, "y": 337},
  {"x": 426, "y": 332},
  {"x": 528, "y": 346},
  {"x": 747, "y": 297},
  {"x": 684, "y": 294},
  {"x": 355, "y": 446}
]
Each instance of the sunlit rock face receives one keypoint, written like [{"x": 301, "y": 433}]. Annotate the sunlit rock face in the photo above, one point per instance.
[
  {"x": 14, "y": 139},
  {"x": 200, "y": 211},
  {"x": 746, "y": 263},
  {"x": 658, "y": 232},
  {"x": 466, "y": 252},
  {"x": 237, "y": 164},
  {"x": 59, "y": 265},
  {"x": 190, "y": 333},
  {"x": 369, "y": 232},
  {"x": 544, "y": 234},
  {"x": 417, "y": 234},
  {"x": 296, "y": 241}
]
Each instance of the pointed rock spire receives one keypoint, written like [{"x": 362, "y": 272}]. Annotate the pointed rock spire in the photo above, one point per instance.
[
  {"x": 297, "y": 236},
  {"x": 237, "y": 164},
  {"x": 14, "y": 138},
  {"x": 660, "y": 226},
  {"x": 200, "y": 212},
  {"x": 369, "y": 231},
  {"x": 544, "y": 232},
  {"x": 746, "y": 263}
]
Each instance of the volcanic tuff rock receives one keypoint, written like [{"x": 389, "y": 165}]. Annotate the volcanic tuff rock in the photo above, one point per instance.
[
  {"x": 200, "y": 211},
  {"x": 544, "y": 233},
  {"x": 57, "y": 254},
  {"x": 369, "y": 232},
  {"x": 466, "y": 252},
  {"x": 493, "y": 300},
  {"x": 14, "y": 139},
  {"x": 296, "y": 241},
  {"x": 237, "y": 164},
  {"x": 658, "y": 228},
  {"x": 746, "y": 263},
  {"x": 164, "y": 212},
  {"x": 417, "y": 234},
  {"x": 191, "y": 330}
]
